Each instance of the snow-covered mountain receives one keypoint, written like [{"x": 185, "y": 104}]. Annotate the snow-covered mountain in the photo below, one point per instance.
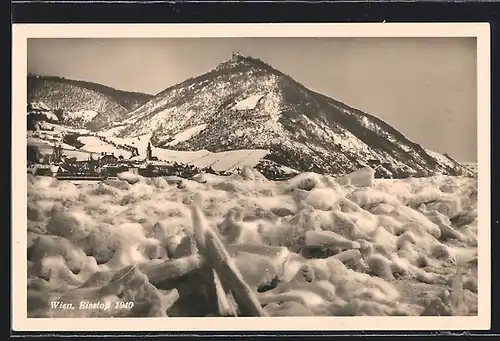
[
  {"x": 82, "y": 104},
  {"x": 244, "y": 103}
]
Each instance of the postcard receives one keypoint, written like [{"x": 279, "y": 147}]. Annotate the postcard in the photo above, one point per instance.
[{"x": 251, "y": 177}]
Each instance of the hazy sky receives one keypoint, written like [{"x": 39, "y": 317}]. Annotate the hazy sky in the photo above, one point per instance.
[{"x": 423, "y": 87}]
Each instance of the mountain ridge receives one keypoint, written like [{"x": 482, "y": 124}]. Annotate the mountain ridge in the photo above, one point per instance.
[
  {"x": 83, "y": 103},
  {"x": 303, "y": 129}
]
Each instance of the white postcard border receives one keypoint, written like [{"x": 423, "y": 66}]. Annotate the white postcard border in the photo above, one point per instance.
[{"x": 21, "y": 32}]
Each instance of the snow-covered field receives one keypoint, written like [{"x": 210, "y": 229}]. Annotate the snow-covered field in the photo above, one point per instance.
[
  {"x": 187, "y": 134},
  {"x": 248, "y": 103},
  {"x": 222, "y": 161},
  {"x": 92, "y": 144},
  {"x": 312, "y": 245}
]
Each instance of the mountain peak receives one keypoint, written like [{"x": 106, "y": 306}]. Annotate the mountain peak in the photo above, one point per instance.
[
  {"x": 246, "y": 104},
  {"x": 239, "y": 60}
]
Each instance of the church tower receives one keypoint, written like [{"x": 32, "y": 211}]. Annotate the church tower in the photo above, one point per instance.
[{"x": 149, "y": 152}]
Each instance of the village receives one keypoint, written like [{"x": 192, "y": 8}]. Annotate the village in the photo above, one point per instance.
[
  {"x": 51, "y": 152},
  {"x": 106, "y": 165}
]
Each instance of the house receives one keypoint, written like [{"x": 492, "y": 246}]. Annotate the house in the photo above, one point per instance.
[
  {"x": 63, "y": 171},
  {"x": 43, "y": 171},
  {"x": 46, "y": 170},
  {"x": 108, "y": 159}
]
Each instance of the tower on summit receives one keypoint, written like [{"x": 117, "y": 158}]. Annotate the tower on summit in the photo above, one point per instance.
[{"x": 235, "y": 56}]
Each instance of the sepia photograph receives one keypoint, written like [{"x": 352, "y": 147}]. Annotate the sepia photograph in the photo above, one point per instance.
[{"x": 252, "y": 176}]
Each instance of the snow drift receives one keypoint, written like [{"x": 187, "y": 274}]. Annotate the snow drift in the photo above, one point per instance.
[{"x": 312, "y": 245}]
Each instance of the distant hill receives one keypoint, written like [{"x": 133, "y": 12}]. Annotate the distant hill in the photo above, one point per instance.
[{"x": 83, "y": 104}]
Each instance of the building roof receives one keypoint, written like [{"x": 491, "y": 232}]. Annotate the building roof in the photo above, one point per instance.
[
  {"x": 137, "y": 158},
  {"x": 52, "y": 168},
  {"x": 159, "y": 163},
  {"x": 109, "y": 155},
  {"x": 63, "y": 169}
]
